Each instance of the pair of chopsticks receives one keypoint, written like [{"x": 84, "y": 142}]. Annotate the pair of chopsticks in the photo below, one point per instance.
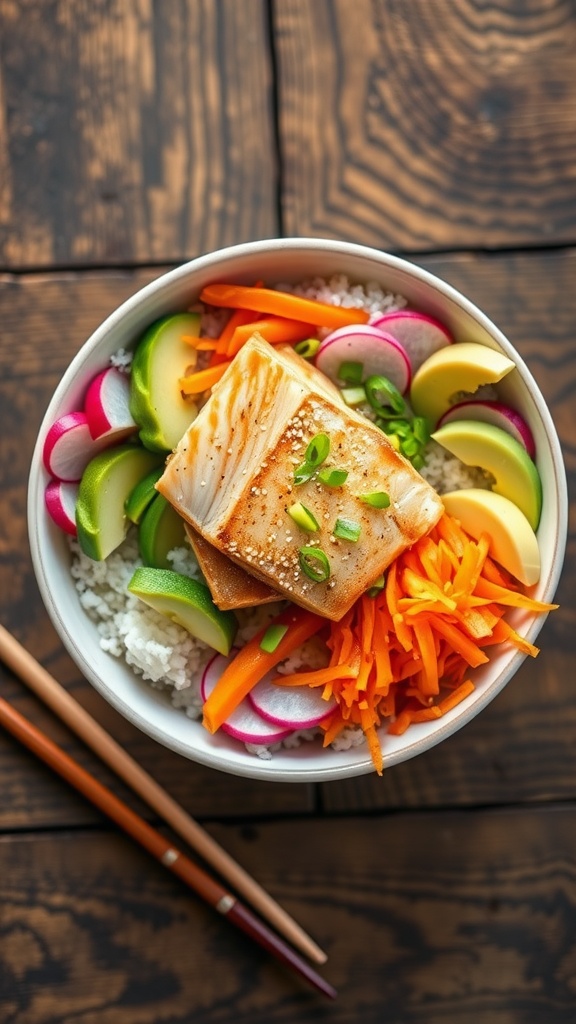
[{"x": 208, "y": 888}]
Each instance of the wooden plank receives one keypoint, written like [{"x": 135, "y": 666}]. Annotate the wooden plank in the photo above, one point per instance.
[
  {"x": 132, "y": 131},
  {"x": 45, "y": 320},
  {"x": 441, "y": 919},
  {"x": 427, "y": 125},
  {"x": 518, "y": 749}
]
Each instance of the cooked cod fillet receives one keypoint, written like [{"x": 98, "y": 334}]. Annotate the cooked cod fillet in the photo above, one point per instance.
[
  {"x": 230, "y": 585},
  {"x": 232, "y": 478}
]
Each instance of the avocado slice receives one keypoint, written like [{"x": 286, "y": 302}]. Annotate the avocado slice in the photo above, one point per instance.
[
  {"x": 162, "y": 413},
  {"x": 144, "y": 492},
  {"x": 107, "y": 481},
  {"x": 161, "y": 530},
  {"x": 186, "y": 602}
]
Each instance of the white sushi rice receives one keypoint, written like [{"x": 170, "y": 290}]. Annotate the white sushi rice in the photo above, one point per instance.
[{"x": 165, "y": 654}]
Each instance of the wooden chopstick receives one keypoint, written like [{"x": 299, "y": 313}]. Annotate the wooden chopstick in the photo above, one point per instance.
[
  {"x": 22, "y": 663},
  {"x": 202, "y": 883}
]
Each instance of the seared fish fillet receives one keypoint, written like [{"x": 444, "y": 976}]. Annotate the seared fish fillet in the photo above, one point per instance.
[
  {"x": 232, "y": 478},
  {"x": 230, "y": 585}
]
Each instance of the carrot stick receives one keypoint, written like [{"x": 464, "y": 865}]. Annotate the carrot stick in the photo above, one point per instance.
[
  {"x": 274, "y": 329},
  {"x": 200, "y": 344},
  {"x": 458, "y": 695},
  {"x": 266, "y": 300},
  {"x": 196, "y": 383},
  {"x": 252, "y": 663},
  {"x": 494, "y": 592},
  {"x": 317, "y": 676}
]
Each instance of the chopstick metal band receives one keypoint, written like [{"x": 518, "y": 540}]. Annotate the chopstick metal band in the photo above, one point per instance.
[
  {"x": 169, "y": 856},
  {"x": 225, "y": 904}
]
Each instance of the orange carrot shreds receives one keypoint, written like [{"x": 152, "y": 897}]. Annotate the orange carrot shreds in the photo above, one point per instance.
[
  {"x": 238, "y": 318},
  {"x": 317, "y": 676},
  {"x": 425, "y": 714},
  {"x": 459, "y": 642},
  {"x": 201, "y": 380},
  {"x": 293, "y": 307},
  {"x": 449, "y": 530},
  {"x": 425, "y": 590},
  {"x": 512, "y": 599},
  {"x": 425, "y": 640},
  {"x": 373, "y": 742},
  {"x": 251, "y": 664},
  {"x": 200, "y": 344},
  {"x": 400, "y": 724},
  {"x": 496, "y": 574},
  {"x": 456, "y": 697},
  {"x": 274, "y": 329},
  {"x": 333, "y": 726},
  {"x": 503, "y": 633}
]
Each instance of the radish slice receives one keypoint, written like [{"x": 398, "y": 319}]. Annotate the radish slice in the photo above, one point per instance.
[
  {"x": 378, "y": 352},
  {"x": 69, "y": 446},
  {"x": 496, "y": 413},
  {"x": 107, "y": 405},
  {"x": 244, "y": 723},
  {"x": 296, "y": 707},
  {"x": 420, "y": 334},
  {"x": 61, "y": 504}
]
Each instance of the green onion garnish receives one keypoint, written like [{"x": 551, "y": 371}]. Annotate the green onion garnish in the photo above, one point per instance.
[
  {"x": 350, "y": 372},
  {"x": 272, "y": 638},
  {"x": 332, "y": 477},
  {"x": 383, "y": 395},
  {"x": 347, "y": 529},
  {"x": 377, "y": 587},
  {"x": 307, "y": 348},
  {"x": 354, "y": 396},
  {"x": 303, "y": 473},
  {"x": 317, "y": 450},
  {"x": 314, "y": 564},
  {"x": 409, "y": 447},
  {"x": 303, "y": 517},
  {"x": 418, "y": 461},
  {"x": 377, "y": 499},
  {"x": 421, "y": 430}
]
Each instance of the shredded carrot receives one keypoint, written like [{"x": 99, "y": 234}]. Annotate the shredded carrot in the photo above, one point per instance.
[
  {"x": 201, "y": 380},
  {"x": 251, "y": 664},
  {"x": 200, "y": 344},
  {"x": 404, "y": 656},
  {"x": 274, "y": 329},
  {"x": 293, "y": 307}
]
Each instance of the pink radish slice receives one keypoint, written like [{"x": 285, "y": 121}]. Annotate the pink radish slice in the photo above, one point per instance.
[
  {"x": 296, "y": 707},
  {"x": 496, "y": 413},
  {"x": 378, "y": 352},
  {"x": 107, "y": 404},
  {"x": 69, "y": 446},
  {"x": 61, "y": 504},
  {"x": 420, "y": 334},
  {"x": 244, "y": 724}
]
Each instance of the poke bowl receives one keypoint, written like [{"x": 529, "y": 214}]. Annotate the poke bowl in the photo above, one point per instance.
[{"x": 327, "y": 545}]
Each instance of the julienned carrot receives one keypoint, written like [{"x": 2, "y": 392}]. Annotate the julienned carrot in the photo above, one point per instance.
[
  {"x": 274, "y": 329},
  {"x": 198, "y": 382},
  {"x": 251, "y": 664},
  {"x": 267, "y": 300}
]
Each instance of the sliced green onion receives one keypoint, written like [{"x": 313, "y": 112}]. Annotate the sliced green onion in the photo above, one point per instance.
[
  {"x": 347, "y": 529},
  {"x": 332, "y": 477},
  {"x": 317, "y": 450},
  {"x": 272, "y": 638},
  {"x": 314, "y": 564},
  {"x": 377, "y": 499},
  {"x": 351, "y": 372},
  {"x": 303, "y": 517},
  {"x": 418, "y": 461},
  {"x": 409, "y": 447},
  {"x": 421, "y": 429},
  {"x": 383, "y": 394},
  {"x": 354, "y": 396},
  {"x": 307, "y": 348},
  {"x": 304, "y": 473},
  {"x": 400, "y": 427},
  {"x": 377, "y": 587}
]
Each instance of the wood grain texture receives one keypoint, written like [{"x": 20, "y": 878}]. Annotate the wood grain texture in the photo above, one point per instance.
[
  {"x": 133, "y": 131},
  {"x": 426, "y": 125},
  {"x": 431, "y": 918}
]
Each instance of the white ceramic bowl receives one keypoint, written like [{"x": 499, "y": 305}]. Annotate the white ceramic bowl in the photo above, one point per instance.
[{"x": 282, "y": 260}]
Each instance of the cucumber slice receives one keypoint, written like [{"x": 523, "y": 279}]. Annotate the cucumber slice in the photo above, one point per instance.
[
  {"x": 139, "y": 499},
  {"x": 156, "y": 401},
  {"x": 186, "y": 602},
  {"x": 105, "y": 485},
  {"x": 161, "y": 530}
]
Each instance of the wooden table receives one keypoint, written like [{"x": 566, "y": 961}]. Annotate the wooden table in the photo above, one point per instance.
[{"x": 135, "y": 135}]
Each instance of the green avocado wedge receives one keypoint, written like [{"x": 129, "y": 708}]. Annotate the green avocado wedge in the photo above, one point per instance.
[
  {"x": 162, "y": 413},
  {"x": 161, "y": 530},
  {"x": 494, "y": 450},
  {"x": 105, "y": 485},
  {"x": 186, "y": 602},
  {"x": 143, "y": 494}
]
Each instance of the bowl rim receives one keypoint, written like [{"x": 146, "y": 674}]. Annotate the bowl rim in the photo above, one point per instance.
[{"x": 423, "y": 738}]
